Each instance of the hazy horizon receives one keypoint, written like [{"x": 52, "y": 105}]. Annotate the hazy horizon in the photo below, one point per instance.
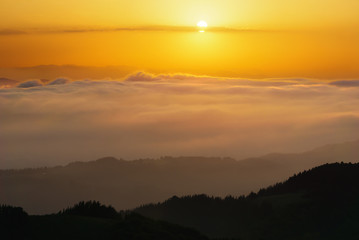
[{"x": 145, "y": 115}]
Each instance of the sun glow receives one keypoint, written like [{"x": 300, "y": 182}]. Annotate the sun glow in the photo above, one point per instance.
[{"x": 202, "y": 24}]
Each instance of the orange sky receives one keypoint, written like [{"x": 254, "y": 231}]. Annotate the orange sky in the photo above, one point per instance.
[
  {"x": 235, "y": 13},
  {"x": 265, "y": 76},
  {"x": 316, "y": 39}
]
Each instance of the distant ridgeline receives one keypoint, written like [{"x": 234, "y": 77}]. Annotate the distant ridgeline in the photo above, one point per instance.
[
  {"x": 129, "y": 184},
  {"x": 322, "y": 203}
]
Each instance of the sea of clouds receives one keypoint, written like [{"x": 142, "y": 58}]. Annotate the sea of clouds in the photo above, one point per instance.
[{"x": 144, "y": 115}]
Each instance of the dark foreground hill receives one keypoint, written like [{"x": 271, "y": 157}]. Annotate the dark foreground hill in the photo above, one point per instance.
[
  {"x": 128, "y": 184},
  {"x": 89, "y": 220},
  {"x": 322, "y": 203}
]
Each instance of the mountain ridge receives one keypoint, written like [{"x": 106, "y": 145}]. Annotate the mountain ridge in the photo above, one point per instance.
[
  {"x": 320, "y": 203},
  {"x": 127, "y": 184}
]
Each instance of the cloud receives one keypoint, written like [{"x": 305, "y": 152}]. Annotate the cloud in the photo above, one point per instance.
[
  {"x": 146, "y": 115},
  {"x": 7, "y": 83},
  {"x": 73, "y": 72},
  {"x": 346, "y": 83},
  {"x": 11, "y": 32},
  {"x": 150, "y": 28},
  {"x": 59, "y": 81},
  {"x": 142, "y": 77},
  {"x": 30, "y": 84}
]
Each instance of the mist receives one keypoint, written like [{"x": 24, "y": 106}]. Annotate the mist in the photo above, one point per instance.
[{"x": 149, "y": 116}]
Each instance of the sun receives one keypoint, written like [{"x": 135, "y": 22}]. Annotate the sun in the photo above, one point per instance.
[{"x": 202, "y": 24}]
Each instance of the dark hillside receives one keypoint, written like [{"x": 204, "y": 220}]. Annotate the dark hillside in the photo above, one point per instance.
[
  {"x": 322, "y": 203},
  {"x": 88, "y": 220}
]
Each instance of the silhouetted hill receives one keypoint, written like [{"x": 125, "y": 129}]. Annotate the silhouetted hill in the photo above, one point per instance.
[
  {"x": 128, "y": 184},
  {"x": 322, "y": 203},
  {"x": 105, "y": 162},
  {"x": 329, "y": 180},
  {"x": 88, "y": 220}
]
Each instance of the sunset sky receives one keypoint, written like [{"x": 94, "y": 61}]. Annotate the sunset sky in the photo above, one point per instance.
[
  {"x": 261, "y": 38},
  {"x": 256, "y": 14},
  {"x": 87, "y": 79}
]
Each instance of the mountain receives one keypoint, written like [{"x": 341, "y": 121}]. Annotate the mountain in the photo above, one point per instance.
[
  {"x": 90, "y": 220},
  {"x": 128, "y": 184},
  {"x": 347, "y": 152},
  {"x": 322, "y": 203}
]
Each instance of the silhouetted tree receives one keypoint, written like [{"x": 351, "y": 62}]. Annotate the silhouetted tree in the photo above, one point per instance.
[{"x": 91, "y": 209}]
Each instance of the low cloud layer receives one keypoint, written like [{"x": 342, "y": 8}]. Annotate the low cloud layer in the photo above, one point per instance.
[
  {"x": 147, "y": 115},
  {"x": 7, "y": 83},
  {"x": 59, "y": 81},
  {"x": 151, "y": 28},
  {"x": 346, "y": 83},
  {"x": 30, "y": 84}
]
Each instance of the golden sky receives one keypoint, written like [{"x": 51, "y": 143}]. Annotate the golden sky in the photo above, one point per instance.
[
  {"x": 235, "y": 13},
  {"x": 264, "y": 76},
  {"x": 245, "y": 38}
]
